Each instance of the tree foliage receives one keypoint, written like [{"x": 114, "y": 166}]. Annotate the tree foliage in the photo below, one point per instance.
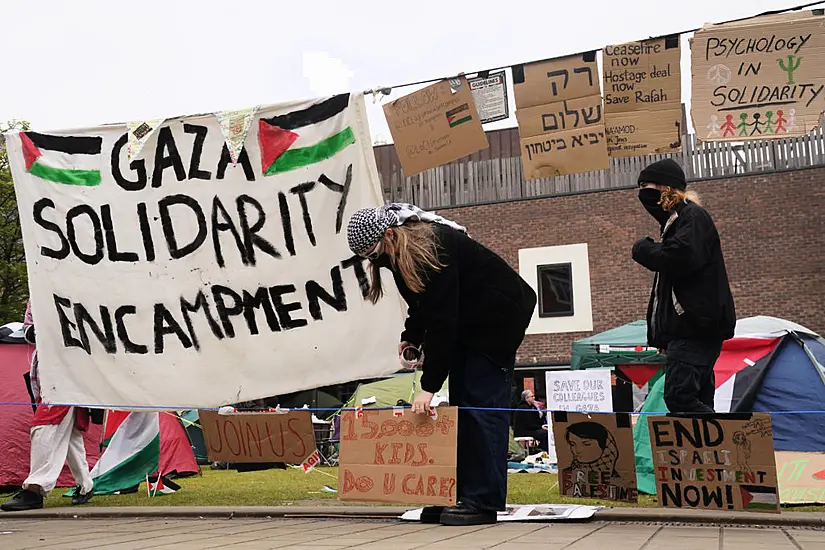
[{"x": 14, "y": 282}]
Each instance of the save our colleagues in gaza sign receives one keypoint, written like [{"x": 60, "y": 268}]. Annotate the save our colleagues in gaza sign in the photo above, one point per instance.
[{"x": 168, "y": 267}]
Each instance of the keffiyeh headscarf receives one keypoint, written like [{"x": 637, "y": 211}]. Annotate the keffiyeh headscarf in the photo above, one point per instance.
[{"x": 367, "y": 226}]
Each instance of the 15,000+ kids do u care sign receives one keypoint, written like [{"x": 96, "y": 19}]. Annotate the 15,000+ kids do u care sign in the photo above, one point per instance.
[{"x": 202, "y": 261}]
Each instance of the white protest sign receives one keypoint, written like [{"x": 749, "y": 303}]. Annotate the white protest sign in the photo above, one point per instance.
[
  {"x": 182, "y": 280},
  {"x": 579, "y": 391}
]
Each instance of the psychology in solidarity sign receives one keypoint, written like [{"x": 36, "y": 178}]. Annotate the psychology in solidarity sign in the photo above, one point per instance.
[{"x": 202, "y": 261}]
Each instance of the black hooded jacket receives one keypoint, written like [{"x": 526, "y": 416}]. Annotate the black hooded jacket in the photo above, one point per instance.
[
  {"x": 476, "y": 301},
  {"x": 691, "y": 297}
]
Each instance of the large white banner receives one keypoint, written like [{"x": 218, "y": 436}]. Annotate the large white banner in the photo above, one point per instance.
[{"x": 202, "y": 261}]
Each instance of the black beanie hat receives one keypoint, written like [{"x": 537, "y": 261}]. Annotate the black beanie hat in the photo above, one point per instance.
[{"x": 664, "y": 172}]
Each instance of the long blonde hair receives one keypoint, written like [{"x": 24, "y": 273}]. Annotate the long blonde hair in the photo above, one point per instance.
[
  {"x": 671, "y": 197},
  {"x": 412, "y": 249}
]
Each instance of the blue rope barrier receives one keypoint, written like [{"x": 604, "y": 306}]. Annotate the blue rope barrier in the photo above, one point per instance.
[{"x": 336, "y": 409}]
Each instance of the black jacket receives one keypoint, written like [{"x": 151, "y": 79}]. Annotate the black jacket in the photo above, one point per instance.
[
  {"x": 691, "y": 296},
  {"x": 526, "y": 420},
  {"x": 476, "y": 301}
]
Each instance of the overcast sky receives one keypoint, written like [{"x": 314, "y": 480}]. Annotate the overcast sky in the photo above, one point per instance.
[{"x": 71, "y": 64}]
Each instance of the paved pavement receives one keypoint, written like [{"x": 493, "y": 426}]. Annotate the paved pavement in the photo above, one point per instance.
[{"x": 241, "y": 534}]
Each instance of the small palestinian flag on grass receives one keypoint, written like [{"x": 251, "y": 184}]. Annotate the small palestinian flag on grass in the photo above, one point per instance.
[
  {"x": 159, "y": 485},
  {"x": 304, "y": 137},
  {"x": 72, "y": 160},
  {"x": 459, "y": 115},
  {"x": 758, "y": 497}
]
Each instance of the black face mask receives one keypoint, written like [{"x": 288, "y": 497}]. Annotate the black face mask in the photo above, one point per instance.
[{"x": 650, "y": 198}]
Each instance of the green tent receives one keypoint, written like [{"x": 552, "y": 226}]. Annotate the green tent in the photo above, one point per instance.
[
  {"x": 389, "y": 391},
  {"x": 618, "y": 346},
  {"x": 655, "y": 403}
]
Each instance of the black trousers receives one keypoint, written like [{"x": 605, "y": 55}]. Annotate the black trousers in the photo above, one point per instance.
[
  {"x": 483, "y": 436},
  {"x": 689, "y": 388}
]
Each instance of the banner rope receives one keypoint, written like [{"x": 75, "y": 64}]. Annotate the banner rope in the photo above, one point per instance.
[{"x": 385, "y": 90}]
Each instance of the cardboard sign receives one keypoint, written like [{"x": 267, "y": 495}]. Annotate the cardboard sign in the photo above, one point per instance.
[
  {"x": 174, "y": 263},
  {"x": 801, "y": 477},
  {"x": 407, "y": 460},
  {"x": 434, "y": 126},
  {"x": 762, "y": 78},
  {"x": 490, "y": 95},
  {"x": 555, "y": 80},
  {"x": 579, "y": 390},
  {"x": 596, "y": 457},
  {"x": 644, "y": 133},
  {"x": 560, "y": 153},
  {"x": 570, "y": 114},
  {"x": 250, "y": 437},
  {"x": 643, "y": 97},
  {"x": 723, "y": 462},
  {"x": 560, "y": 117}
]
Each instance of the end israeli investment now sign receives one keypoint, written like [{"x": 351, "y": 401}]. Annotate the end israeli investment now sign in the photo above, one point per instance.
[{"x": 181, "y": 272}]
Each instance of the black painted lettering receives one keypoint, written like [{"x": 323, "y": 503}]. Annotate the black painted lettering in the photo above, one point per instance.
[
  {"x": 138, "y": 166},
  {"x": 201, "y": 303},
  {"x": 66, "y": 326},
  {"x": 357, "y": 265},
  {"x": 175, "y": 250},
  {"x": 227, "y": 224},
  {"x": 285, "y": 310},
  {"x": 167, "y": 156},
  {"x": 316, "y": 294},
  {"x": 37, "y": 213},
  {"x": 105, "y": 335},
  {"x": 146, "y": 232},
  {"x": 262, "y": 300},
  {"x": 97, "y": 233},
  {"x": 195, "y": 173},
  {"x": 243, "y": 160},
  {"x": 251, "y": 238},
  {"x": 660, "y": 433},
  {"x": 338, "y": 188},
  {"x": 111, "y": 243},
  {"x": 165, "y": 324},
  {"x": 301, "y": 190},
  {"x": 286, "y": 221},
  {"x": 692, "y": 434},
  {"x": 225, "y": 311},
  {"x": 123, "y": 333}
]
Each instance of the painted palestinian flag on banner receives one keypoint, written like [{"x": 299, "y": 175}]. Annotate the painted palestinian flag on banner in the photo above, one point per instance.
[
  {"x": 71, "y": 160},
  {"x": 757, "y": 497},
  {"x": 304, "y": 137}
]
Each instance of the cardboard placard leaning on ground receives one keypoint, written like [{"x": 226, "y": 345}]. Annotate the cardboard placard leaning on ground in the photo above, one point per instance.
[{"x": 394, "y": 455}]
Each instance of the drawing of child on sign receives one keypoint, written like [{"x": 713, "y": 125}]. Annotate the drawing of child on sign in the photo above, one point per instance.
[
  {"x": 593, "y": 448},
  {"x": 743, "y": 451}
]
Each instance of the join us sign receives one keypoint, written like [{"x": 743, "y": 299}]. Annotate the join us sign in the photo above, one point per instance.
[{"x": 173, "y": 267}]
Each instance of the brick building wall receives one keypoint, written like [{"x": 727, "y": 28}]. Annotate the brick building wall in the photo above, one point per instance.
[{"x": 772, "y": 228}]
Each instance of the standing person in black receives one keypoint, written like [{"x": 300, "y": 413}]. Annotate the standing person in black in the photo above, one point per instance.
[
  {"x": 691, "y": 309},
  {"x": 529, "y": 422},
  {"x": 468, "y": 311}
]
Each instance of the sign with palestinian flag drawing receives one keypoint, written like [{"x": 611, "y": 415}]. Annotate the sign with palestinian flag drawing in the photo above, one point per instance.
[
  {"x": 210, "y": 265},
  {"x": 715, "y": 462}
]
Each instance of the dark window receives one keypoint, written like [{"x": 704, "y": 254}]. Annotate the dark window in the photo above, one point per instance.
[{"x": 555, "y": 290}]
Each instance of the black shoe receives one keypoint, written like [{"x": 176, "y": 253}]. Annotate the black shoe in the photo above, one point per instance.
[
  {"x": 431, "y": 514},
  {"x": 467, "y": 515},
  {"x": 79, "y": 498},
  {"x": 22, "y": 501}
]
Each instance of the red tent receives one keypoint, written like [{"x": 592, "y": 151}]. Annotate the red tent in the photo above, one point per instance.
[{"x": 16, "y": 417}]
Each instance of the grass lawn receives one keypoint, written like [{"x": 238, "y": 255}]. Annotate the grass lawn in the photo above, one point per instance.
[
  {"x": 285, "y": 487},
  {"x": 282, "y": 487}
]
